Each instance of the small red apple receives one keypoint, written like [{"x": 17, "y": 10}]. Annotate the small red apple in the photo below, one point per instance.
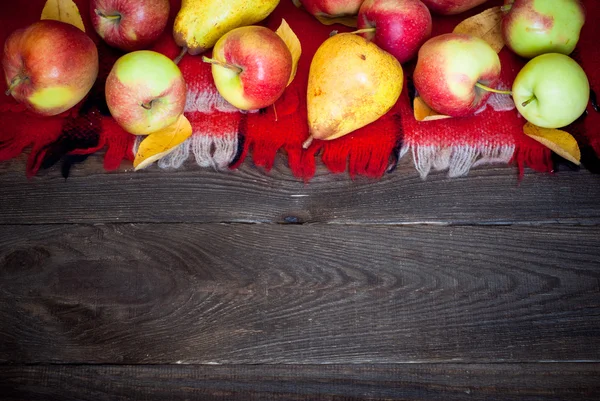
[
  {"x": 450, "y": 7},
  {"x": 399, "y": 27},
  {"x": 454, "y": 73},
  {"x": 50, "y": 66},
  {"x": 251, "y": 67},
  {"x": 331, "y": 8},
  {"x": 128, "y": 24}
]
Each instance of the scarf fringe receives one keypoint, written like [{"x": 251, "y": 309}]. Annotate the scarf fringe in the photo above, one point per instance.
[
  {"x": 458, "y": 160},
  {"x": 208, "y": 149}
]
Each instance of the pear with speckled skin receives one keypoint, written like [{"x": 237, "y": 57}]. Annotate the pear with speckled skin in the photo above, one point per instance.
[
  {"x": 200, "y": 23},
  {"x": 351, "y": 83}
]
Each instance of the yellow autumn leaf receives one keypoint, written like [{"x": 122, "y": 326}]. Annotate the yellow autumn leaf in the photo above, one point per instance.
[
  {"x": 347, "y": 20},
  {"x": 293, "y": 43},
  {"x": 560, "y": 142},
  {"x": 425, "y": 113},
  {"x": 160, "y": 143},
  {"x": 486, "y": 25},
  {"x": 63, "y": 10}
]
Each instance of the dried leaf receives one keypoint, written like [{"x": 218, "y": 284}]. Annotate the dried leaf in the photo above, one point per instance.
[
  {"x": 425, "y": 113},
  {"x": 162, "y": 142},
  {"x": 348, "y": 20},
  {"x": 293, "y": 43},
  {"x": 486, "y": 25},
  {"x": 560, "y": 142},
  {"x": 63, "y": 10}
]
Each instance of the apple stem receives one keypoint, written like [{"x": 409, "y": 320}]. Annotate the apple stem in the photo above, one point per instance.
[
  {"x": 525, "y": 103},
  {"x": 364, "y": 30},
  {"x": 275, "y": 111},
  {"x": 506, "y": 8},
  {"x": 148, "y": 105},
  {"x": 177, "y": 59},
  {"x": 307, "y": 143},
  {"x": 13, "y": 84},
  {"x": 109, "y": 17},
  {"x": 222, "y": 64},
  {"x": 488, "y": 89}
]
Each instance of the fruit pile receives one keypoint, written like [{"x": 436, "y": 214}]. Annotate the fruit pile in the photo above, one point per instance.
[{"x": 355, "y": 78}]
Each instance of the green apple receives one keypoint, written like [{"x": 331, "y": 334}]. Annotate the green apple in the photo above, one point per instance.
[
  {"x": 551, "y": 91},
  {"x": 534, "y": 27},
  {"x": 145, "y": 92}
]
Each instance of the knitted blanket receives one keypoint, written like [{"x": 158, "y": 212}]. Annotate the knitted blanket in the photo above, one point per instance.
[{"x": 223, "y": 137}]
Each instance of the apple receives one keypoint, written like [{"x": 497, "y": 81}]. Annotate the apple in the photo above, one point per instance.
[
  {"x": 331, "y": 8},
  {"x": 50, "y": 66},
  {"x": 251, "y": 67},
  {"x": 145, "y": 92},
  {"x": 450, "y": 7},
  {"x": 454, "y": 73},
  {"x": 551, "y": 90},
  {"x": 399, "y": 27},
  {"x": 129, "y": 25},
  {"x": 531, "y": 27}
]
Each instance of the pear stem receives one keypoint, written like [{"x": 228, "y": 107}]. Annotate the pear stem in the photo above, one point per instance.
[
  {"x": 525, "y": 103},
  {"x": 108, "y": 17},
  {"x": 488, "y": 89},
  {"x": 364, "y": 30},
  {"x": 307, "y": 143},
  {"x": 506, "y": 8},
  {"x": 177, "y": 59},
  {"x": 222, "y": 64},
  {"x": 13, "y": 84}
]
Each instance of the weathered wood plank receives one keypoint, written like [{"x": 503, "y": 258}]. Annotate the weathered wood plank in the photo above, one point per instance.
[
  {"x": 213, "y": 293},
  {"x": 488, "y": 195},
  {"x": 443, "y": 382}
]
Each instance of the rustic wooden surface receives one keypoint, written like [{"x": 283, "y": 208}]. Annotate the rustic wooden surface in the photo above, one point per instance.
[{"x": 243, "y": 285}]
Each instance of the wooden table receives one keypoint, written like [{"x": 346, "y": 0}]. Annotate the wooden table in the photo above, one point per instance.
[{"x": 199, "y": 285}]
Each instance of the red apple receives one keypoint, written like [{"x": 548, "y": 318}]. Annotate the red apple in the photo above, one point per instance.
[
  {"x": 449, "y": 7},
  {"x": 331, "y": 8},
  {"x": 127, "y": 24},
  {"x": 454, "y": 72},
  {"x": 145, "y": 92},
  {"x": 399, "y": 27},
  {"x": 251, "y": 67},
  {"x": 50, "y": 66}
]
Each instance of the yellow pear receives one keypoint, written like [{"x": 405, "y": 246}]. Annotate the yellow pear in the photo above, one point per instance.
[
  {"x": 351, "y": 83},
  {"x": 200, "y": 23}
]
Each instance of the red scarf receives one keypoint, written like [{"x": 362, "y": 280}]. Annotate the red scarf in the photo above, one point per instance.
[{"x": 223, "y": 137}]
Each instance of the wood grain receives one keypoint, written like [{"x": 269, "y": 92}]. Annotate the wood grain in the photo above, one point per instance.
[
  {"x": 443, "y": 382},
  {"x": 490, "y": 195},
  {"x": 235, "y": 294}
]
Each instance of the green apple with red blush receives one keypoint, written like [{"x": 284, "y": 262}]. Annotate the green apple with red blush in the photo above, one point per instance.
[
  {"x": 399, "y": 27},
  {"x": 534, "y": 27},
  {"x": 145, "y": 92},
  {"x": 251, "y": 67},
  {"x": 129, "y": 25},
  {"x": 49, "y": 66},
  {"x": 456, "y": 73}
]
